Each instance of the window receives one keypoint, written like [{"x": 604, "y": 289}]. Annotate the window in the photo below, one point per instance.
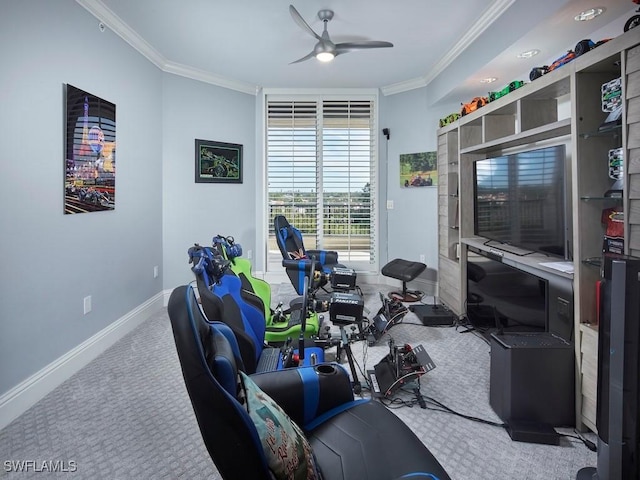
[{"x": 321, "y": 174}]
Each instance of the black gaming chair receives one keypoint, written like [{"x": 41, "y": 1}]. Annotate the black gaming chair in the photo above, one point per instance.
[
  {"x": 349, "y": 439},
  {"x": 296, "y": 259},
  {"x": 281, "y": 323},
  {"x": 223, "y": 299}
]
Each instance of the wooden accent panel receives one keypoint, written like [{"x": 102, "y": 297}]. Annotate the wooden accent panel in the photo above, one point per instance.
[
  {"x": 633, "y": 140},
  {"x": 634, "y": 186},
  {"x": 535, "y": 113},
  {"x": 498, "y": 126},
  {"x": 633, "y": 60},
  {"x": 589, "y": 371},
  {"x": 634, "y": 237},
  {"x": 449, "y": 284},
  {"x": 634, "y": 212},
  {"x": 633, "y": 85},
  {"x": 633, "y": 165}
]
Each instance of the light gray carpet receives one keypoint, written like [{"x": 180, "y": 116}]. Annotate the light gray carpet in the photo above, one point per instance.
[{"x": 127, "y": 414}]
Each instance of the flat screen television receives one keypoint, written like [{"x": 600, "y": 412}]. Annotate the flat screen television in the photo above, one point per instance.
[{"x": 520, "y": 200}]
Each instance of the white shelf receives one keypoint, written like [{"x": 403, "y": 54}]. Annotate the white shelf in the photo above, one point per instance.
[{"x": 557, "y": 129}]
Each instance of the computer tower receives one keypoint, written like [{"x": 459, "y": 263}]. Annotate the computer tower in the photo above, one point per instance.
[{"x": 618, "y": 369}]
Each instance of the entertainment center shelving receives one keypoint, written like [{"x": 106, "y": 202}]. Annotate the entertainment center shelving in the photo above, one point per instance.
[{"x": 563, "y": 106}]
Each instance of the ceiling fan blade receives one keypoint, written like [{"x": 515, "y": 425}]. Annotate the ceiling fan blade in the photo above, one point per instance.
[
  {"x": 306, "y": 57},
  {"x": 300, "y": 21},
  {"x": 352, "y": 46}
]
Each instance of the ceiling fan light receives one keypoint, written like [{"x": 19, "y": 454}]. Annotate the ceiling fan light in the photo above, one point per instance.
[
  {"x": 325, "y": 56},
  {"x": 589, "y": 14}
]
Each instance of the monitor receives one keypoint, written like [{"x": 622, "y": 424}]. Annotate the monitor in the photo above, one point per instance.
[{"x": 520, "y": 200}]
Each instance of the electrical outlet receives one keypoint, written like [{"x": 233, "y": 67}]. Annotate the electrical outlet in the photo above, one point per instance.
[
  {"x": 155, "y": 272},
  {"x": 87, "y": 304},
  {"x": 422, "y": 258},
  {"x": 249, "y": 254},
  {"x": 389, "y": 204}
]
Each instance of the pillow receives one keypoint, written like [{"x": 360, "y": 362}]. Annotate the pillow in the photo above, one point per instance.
[{"x": 287, "y": 450}]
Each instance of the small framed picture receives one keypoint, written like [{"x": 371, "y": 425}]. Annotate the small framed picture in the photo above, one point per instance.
[{"x": 218, "y": 162}]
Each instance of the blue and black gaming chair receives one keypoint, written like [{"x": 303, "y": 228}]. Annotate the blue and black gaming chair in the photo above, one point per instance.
[
  {"x": 223, "y": 299},
  {"x": 296, "y": 260},
  {"x": 281, "y": 323},
  {"x": 348, "y": 438}
]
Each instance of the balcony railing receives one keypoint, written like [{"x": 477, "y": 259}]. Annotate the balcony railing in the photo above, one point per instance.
[{"x": 346, "y": 227}]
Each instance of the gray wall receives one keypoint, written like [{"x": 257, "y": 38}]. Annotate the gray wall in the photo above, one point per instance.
[
  {"x": 195, "y": 212},
  {"x": 413, "y": 222},
  {"x": 51, "y": 261}
]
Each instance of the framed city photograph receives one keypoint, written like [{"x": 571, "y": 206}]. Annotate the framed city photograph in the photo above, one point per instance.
[
  {"x": 90, "y": 152},
  {"x": 218, "y": 162}
]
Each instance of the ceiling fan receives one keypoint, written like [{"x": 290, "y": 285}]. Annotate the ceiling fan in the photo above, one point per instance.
[{"x": 325, "y": 50}]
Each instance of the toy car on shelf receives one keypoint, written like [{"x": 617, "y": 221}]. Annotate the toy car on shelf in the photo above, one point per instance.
[
  {"x": 634, "y": 21},
  {"x": 473, "y": 105},
  {"x": 508, "y": 89},
  {"x": 449, "y": 119},
  {"x": 584, "y": 46},
  {"x": 537, "y": 72}
]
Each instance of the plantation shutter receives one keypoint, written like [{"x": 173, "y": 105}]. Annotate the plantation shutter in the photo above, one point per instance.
[
  {"x": 293, "y": 167},
  {"x": 321, "y": 175},
  {"x": 348, "y": 170}
]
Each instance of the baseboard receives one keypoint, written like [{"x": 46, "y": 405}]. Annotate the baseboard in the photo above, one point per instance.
[
  {"x": 166, "y": 294},
  {"x": 26, "y": 394}
]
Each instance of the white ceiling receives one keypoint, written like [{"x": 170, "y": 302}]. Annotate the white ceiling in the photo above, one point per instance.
[{"x": 452, "y": 44}]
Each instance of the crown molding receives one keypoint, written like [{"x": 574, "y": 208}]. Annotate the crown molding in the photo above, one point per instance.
[
  {"x": 124, "y": 31},
  {"x": 497, "y": 8},
  {"x": 404, "y": 86},
  {"x": 207, "y": 77}
]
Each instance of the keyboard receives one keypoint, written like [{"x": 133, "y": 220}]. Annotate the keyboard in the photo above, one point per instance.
[{"x": 268, "y": 360}]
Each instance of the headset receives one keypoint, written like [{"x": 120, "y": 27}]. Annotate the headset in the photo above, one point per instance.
[{"x": 228, "y": 246}]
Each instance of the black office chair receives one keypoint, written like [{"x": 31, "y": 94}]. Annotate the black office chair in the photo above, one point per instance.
[{"x": 337, "y": 436}]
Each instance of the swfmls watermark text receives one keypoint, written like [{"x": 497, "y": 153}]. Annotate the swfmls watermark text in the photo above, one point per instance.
[{"x": 40, "y": 466}]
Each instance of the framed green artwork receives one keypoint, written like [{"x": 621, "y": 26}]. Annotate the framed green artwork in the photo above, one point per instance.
[{"x": 218, "y": 162}]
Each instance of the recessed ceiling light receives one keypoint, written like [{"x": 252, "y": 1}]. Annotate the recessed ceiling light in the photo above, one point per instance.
[
  {"x": 589, "y": 14},
  {"x": 528, "y": 53},
  {"x": 488, "y": 80}
]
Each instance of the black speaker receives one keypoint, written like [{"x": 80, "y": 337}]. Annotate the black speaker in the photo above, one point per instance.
[{"x": 618, "y": 369}]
